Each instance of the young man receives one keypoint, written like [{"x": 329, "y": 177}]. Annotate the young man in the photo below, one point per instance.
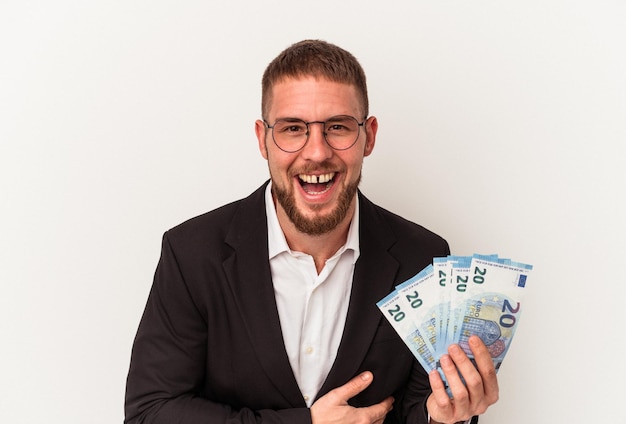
[{"x": 264, "y": 310}]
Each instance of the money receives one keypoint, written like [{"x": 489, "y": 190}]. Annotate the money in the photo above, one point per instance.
[
  {"x": 419, "y": 297},
  {"x": 396, "y": 313},
  {"x": 457, "y": 297}
]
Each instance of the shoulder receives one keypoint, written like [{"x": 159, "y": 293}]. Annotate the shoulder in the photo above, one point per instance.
[
  {"x": 405, "y": 238},
  {"x": 216, "y": 224}
]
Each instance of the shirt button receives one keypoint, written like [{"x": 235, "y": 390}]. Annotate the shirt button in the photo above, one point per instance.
[
  {"x": 309, "y": 349},
  {"x": 306, "y": 398}
]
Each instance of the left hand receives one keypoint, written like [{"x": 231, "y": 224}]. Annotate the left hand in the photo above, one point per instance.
[
  {"x": 333, "y": 407},
  {"x": 472, "y": 398}
]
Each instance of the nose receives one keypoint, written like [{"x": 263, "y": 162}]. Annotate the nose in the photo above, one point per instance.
[{"x": 316, "y": 147}]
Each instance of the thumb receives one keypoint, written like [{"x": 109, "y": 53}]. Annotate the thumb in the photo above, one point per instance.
[{"x": 354, "y": 386}]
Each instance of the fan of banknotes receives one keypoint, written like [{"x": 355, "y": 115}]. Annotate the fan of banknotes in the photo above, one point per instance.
[{"x": 454, "y": 298}]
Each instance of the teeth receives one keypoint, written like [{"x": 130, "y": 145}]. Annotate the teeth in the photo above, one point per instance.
[{"x": 317, "y": 179}]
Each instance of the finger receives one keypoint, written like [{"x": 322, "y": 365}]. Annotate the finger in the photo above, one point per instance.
[
  {"x": 466, "y": 367},
  {"x": 452, "y": 366},
  {"x": 485, "y": 366},
  {"x": 439, "y": 405},
  {"x": 478, "y": 401},
  {"x": 439, "y": 393},
  {"x": 378, "y": 412},
  {"x": 354, "y": 386}
]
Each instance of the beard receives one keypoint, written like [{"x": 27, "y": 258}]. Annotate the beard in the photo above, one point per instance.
[{"x": 316, "y": 225}]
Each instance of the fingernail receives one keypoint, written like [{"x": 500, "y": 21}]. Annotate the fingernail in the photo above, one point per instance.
[
  {"x": 455, "y": 348},
  {"x": 445, "y": 360},
  {"x": 366, "y": 376}
]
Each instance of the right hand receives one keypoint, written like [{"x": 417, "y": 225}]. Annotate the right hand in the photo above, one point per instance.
[{"x": 333, "y": 408}]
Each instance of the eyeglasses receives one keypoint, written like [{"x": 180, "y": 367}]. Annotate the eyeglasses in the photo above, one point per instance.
[{"x": 291, "y": 134}]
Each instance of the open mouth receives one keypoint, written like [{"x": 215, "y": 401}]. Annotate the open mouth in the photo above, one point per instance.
[{"x": 316, "y": 184}]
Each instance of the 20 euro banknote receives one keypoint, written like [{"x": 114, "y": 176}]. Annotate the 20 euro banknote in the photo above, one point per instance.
[{"x": 455, "y": 298}]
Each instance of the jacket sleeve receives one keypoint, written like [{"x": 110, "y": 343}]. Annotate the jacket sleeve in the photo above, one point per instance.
[
  {"x": 414, "y": 400},
  {"x": 165, "y": 382}
]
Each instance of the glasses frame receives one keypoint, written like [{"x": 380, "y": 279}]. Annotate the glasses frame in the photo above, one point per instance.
[{"x": 308, "y": 131}]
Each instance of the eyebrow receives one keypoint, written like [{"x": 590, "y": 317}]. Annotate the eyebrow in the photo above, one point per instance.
[{"x": 331, "y": 118}]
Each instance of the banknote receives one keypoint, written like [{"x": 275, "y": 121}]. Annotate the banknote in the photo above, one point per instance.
[
  {"x": 420, "y": 295},
  {"x": 459, "y": 277},
  {"x": 442, "y": 268},
  {"x": 394, "y": 310},
  {"x": 454, "y": 298},
  {"x": 492, "y": 306}
]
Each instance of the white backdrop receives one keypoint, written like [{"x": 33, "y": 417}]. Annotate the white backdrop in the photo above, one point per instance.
[{"x": 502, "y": 127}]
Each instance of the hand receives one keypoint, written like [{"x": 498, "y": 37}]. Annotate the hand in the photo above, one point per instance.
[
  {"x": 472, "y": 398},
  {"x": 333, "y": 408}
]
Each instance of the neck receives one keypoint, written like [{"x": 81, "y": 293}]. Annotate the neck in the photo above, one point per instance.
[{"x": 320, "y": 247}]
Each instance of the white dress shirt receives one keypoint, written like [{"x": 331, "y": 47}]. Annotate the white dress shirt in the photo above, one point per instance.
[{"x": 312, "y": 307}]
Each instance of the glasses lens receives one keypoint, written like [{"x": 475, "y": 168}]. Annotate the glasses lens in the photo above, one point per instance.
[
  {"x": 290, "y": 135},
  {"x": 341, "y": 131}
]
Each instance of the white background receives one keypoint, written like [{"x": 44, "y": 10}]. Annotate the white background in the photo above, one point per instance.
[{"x": 502, "y": 127}]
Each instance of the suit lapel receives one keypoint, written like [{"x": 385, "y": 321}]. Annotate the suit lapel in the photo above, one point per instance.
[
  {"x": 374, "y": 277},
  {"x": 249, "y": 276}
]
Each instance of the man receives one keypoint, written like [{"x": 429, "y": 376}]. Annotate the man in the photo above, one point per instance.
[{"x": 264, "y": 310}]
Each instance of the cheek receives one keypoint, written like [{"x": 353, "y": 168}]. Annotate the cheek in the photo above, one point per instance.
[
  {"x": 279, "y": 167},
  {"x": 354, "y": 163}
]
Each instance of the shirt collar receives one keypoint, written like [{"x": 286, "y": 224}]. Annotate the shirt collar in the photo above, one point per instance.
[{"x": 277, "y": 243}]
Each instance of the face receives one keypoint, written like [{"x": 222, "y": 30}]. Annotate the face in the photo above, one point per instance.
[{"x": 315, "y": 187}]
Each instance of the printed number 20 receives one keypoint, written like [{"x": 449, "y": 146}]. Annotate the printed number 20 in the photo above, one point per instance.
[
  {"x": 397, "y": 314},
  {"x": 508, "y": 320}
]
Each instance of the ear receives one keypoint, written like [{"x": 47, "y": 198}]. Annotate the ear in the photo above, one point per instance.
[
  {"x": 371, "y": 128},
  {"x": 261, "y": 133}
]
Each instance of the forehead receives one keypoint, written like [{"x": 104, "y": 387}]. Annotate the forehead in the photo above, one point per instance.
[{"x": 313, "y": 98}]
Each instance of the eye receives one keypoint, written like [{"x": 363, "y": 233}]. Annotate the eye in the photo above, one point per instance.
[
  {"x": 295, "y": 128},
  {"x": 290, "y": 128},
  {"x": 337, "y": 127},
  {"x": 341, "y": 125}
]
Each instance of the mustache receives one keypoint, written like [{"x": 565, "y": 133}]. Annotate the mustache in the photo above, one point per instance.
[{"x": 322, "y": 167}]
